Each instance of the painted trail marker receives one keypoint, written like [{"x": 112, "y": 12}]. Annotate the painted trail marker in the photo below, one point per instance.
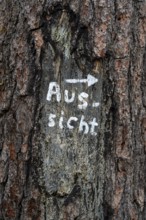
[
  {"x": 82, "y": 100},
  {"x": 91, "y": 80}
]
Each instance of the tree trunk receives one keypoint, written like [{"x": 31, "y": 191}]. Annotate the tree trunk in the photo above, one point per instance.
[{"x": 73, "y": 110}]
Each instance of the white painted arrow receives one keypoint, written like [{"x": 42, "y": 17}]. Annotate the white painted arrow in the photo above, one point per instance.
[{"x": 91, "y": 80}]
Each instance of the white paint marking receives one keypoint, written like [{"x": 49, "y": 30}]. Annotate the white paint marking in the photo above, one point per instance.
[
  {"x": 51, "y": 122},
  {"x": 67, "y": 99},
  {"x": 82, "y": 125},
  {"x": 69, "y": 122},
  {"x": 81, "y": 97},
  {"x": 93, "y": 124},
  {"x": 54, "y": 89},
  {"x": 91, "y": 80},
  {"x": 61, "y": 120},
  {"x": 95, "y": 104}
]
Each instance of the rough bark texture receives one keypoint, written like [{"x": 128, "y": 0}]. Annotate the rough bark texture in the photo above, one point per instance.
[{"x": 52, "y": 174}]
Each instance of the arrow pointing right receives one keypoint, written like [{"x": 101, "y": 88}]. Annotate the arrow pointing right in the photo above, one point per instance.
[{"x": 91, "y": 80}]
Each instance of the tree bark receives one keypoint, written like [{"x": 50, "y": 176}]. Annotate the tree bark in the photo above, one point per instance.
[{"x": 71, "y": 168}]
